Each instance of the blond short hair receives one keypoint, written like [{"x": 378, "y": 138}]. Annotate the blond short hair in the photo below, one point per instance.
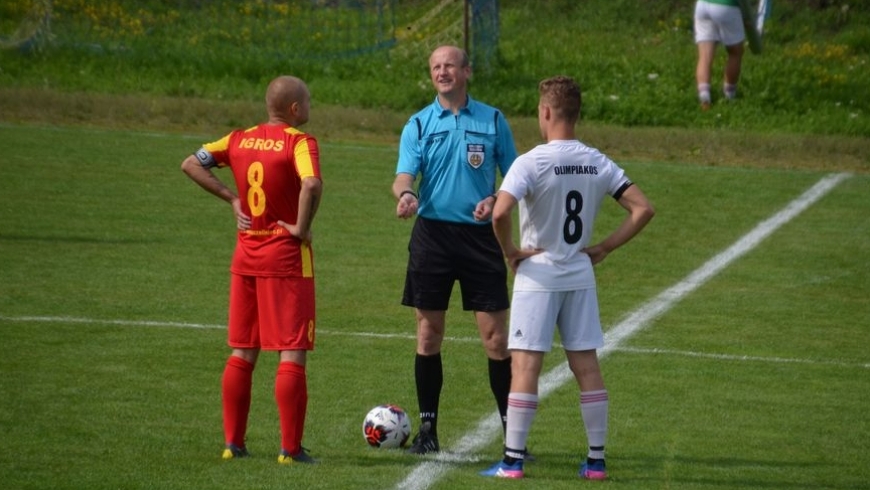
[{"x": 562, "y": 95}]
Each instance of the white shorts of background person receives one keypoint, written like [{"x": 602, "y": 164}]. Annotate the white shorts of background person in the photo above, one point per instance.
[{"x": 718, "y": 23}]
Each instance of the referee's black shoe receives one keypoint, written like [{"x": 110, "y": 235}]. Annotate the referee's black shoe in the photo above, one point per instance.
[{"x": 424, "y": 442}]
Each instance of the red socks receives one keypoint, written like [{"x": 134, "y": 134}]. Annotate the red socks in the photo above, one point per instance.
[
  {"x": 291, "y": 394},
  {"x": 236, "y": 398}
]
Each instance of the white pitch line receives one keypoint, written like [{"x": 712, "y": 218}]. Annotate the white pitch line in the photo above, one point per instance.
[
  {"x": 96, "y": 321},
  {"x": 635, "y": 350},
  {"x": 343, "y": 333},
  {"x": 153, "y": 323},
  {"x": 427, "y": 473},
  {"x": 734, "y": 357}
]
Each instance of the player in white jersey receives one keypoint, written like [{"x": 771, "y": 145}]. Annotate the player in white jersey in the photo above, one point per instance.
[{"x": 559, "y": 187}]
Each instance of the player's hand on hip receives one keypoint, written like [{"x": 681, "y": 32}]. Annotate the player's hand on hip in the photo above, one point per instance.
[
  {"x": 596, "y": 253},
  {"x": 296, "y": 231},
  {"x": 243, "y": 221},
  {"x": 518, "y": 256}
]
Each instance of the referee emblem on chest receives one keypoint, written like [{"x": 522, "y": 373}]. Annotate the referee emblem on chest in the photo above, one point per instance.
[{"x": 475, "y": 154}]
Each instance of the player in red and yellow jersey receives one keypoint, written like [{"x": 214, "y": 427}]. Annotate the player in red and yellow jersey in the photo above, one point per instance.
[{"x": 276, "y": 169}]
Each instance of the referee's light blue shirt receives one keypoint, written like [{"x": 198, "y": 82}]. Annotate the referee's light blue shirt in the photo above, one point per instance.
[{"x": 456, "y": 158}]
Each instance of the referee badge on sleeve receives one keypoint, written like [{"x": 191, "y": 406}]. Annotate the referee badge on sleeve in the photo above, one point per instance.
[{"x": 475, "y": 154}]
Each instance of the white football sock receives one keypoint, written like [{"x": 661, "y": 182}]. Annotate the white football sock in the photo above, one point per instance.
[
  {"x": 704, "y": 93},
  {"x": 594, "y": 408},
  {"x": 520, "y": 414}
]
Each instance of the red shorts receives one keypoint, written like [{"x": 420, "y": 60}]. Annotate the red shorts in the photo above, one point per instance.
[{"x": 271, "y": 313}]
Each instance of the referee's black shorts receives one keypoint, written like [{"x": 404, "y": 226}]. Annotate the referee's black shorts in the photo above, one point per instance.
[{"x": 442, "y": 253}]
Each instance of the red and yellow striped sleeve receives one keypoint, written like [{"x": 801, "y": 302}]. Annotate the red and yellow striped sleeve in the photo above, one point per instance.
[{"x": 307, "y": 158}]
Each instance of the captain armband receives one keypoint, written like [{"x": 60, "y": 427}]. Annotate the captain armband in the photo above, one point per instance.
[
  {"x": 618, "y": 194},
  {"x": 205, "y": 158}
]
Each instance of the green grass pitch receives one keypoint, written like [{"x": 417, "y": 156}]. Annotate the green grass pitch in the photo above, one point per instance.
[{"x": 113, "y": 293}]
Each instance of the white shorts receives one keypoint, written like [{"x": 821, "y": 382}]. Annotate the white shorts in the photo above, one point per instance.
[
  {"x": 719, "y": 23},
  {"x": 534, "y": 316}
]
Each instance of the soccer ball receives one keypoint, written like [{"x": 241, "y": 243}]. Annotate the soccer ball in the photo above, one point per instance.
[{"x": 386, "y": 426}]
